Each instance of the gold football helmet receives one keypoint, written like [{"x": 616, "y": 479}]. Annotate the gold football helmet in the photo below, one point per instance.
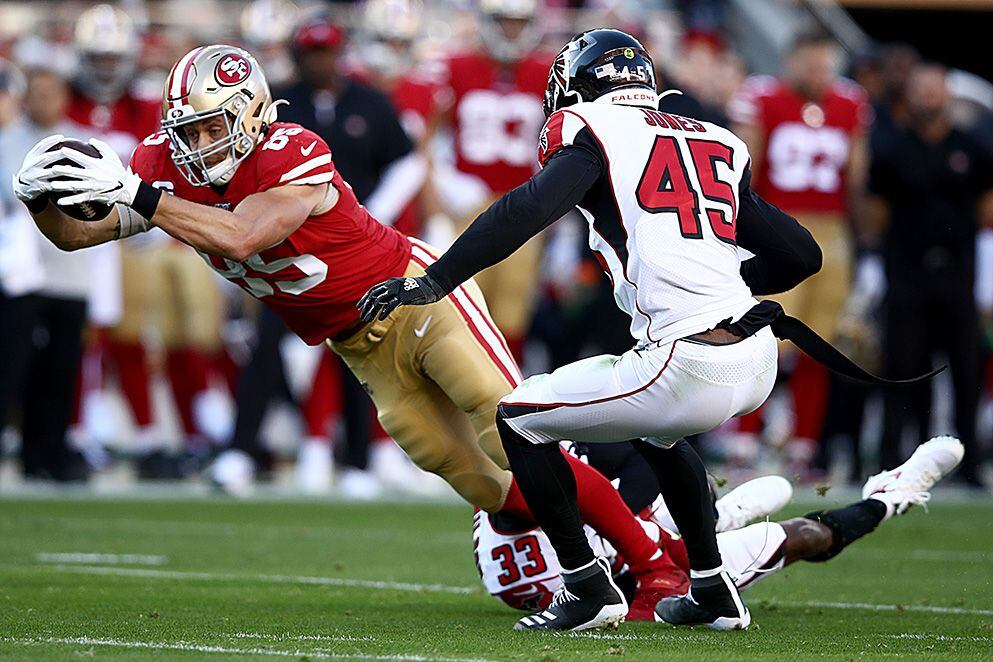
[
  {"x": 216, "y": 81},
  {"x": 108, "y": 42}
]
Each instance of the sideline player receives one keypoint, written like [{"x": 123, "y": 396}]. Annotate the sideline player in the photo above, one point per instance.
[
  {"x": 668, "y": 203},
  {"x": 519, "y": 567},
  {"x": 262, "y": 202}
]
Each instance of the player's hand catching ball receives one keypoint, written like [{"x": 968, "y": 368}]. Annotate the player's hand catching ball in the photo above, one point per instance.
[
  {"x": 383, "y": 299},
  {"x": 33, "y": 181},
  {"x": 102, "y": 179}
]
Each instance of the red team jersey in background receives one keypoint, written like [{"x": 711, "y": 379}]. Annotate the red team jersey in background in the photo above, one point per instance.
[
  {"x": 129, "y": 114},
  {"x": 807, "y": 142},
  {"x": 497, "y": 114},
  {"x": 314, "y": 277}
]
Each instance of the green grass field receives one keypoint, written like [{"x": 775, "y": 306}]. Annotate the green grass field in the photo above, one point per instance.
[{"x": 216, "y": 579}]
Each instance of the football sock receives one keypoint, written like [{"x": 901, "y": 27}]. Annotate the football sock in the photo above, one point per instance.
[
  {"x": 132, "y": 373},
  {"x": 602, "y": 508},
  {"x": 188, "y": 375},
  {"x": 809, "y": 385},
  {"x": 549, "y": 486},
  {"x": 322, "y": 401},
  {"x": 848, "y": 524},
  {"x": 683, "y": 483}
]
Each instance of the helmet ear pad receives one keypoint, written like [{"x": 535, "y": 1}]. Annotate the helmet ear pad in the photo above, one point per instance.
[{"x": 595, "y": 63}]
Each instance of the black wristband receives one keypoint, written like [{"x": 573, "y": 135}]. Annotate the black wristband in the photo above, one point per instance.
[
  {"x": 146, "y": 201},
  {"x": 37, "y": 205}
]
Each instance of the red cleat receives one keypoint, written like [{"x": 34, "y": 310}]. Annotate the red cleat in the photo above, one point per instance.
[{"x": 662, "y": 579}]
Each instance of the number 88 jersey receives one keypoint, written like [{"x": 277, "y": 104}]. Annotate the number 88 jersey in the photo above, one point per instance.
[
  {"x": 663, "y": 215},
  {"x": 314, "y": 277}
]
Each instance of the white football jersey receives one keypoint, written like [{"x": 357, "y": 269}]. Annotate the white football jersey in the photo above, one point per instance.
[{"x": 663, "y": 219}]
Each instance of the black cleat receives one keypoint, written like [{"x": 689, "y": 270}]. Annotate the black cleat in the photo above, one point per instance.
[
  {"x": 589, "y": 600},
  {"x": 712, "y": 601}
]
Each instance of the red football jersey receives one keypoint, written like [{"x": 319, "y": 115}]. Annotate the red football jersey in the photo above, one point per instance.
[
  {"x": 497, "y": 114},
  {"x": 314, "y": 277},
  {"x": 415, "y": 98},
  {"x": 129, "y": 114},
  {"x": 807, "y": 143}
]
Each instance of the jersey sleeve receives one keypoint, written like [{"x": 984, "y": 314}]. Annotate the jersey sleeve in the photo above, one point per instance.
[
  {"x": 294, "y": 156},
  {"x": 747, "y": 103},
  {"x": 564, "y": 129},
  {"x": 147, "y": 158}
]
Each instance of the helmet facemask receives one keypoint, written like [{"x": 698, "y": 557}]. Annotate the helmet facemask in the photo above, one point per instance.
[{"x": 193, "y": 163}]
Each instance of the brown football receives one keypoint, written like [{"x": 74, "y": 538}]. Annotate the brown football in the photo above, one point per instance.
[{"x": 84, "y": 211}]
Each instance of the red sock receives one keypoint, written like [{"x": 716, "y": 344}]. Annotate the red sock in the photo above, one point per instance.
[
  {"x": 132, "y": 373},
  {"x": 600, "y": 506},
  {"x": 809, "y": 385},
  {"x": 516, "y": 346},
  {"x": 320, "y": 405},
  {"x": 751, "y": 423},
  {"x": 188, "y": 376}
]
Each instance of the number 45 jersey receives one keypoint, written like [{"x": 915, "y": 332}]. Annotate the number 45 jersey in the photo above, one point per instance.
[
  {"x": 314, "y": 277},
  {"x": 662, "y": 218}
]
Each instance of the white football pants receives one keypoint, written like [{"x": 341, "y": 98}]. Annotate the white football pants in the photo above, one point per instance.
[{"x": 658, "y": 393}]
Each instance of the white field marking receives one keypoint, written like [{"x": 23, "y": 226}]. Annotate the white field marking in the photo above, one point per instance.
[
  {"x": 933, "y": 637},
  {"x": 265, "y": 579},
  {"x": 199, "y": 648},
  {"x": 873, "y": 607},
  {"x": 299, "y": 637},
  {"x": 96, "y": 558}
]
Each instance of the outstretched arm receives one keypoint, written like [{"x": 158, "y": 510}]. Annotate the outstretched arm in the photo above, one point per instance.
[
  {"x": 495, "y": 234},
  {"x": 785, "y": 252}
]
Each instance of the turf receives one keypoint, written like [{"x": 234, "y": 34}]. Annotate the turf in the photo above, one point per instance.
[{"x": 226, "y": 578}]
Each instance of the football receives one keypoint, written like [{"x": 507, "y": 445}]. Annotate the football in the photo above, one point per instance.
[{"x": 84, "y": 211}]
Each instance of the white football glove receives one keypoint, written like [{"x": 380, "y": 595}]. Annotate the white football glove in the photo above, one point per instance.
[
  {"x": 34, "y": 177},
  {"x": 103, "y": 180}
]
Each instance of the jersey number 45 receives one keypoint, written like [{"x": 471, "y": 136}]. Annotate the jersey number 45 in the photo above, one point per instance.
[{"x": 665, "y": 186}]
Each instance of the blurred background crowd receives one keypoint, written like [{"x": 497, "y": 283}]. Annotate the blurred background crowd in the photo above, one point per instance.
[{"x": 134, "y": 361}]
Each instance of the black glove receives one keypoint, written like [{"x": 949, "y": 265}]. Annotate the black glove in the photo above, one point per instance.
[{"x": 383, "y": 299}]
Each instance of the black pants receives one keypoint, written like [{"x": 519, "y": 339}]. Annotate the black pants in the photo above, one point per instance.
[
  {"x": 264, "y": 379},
  {"x": 42, "y": 339},
  {"x": 921, "y": 322}
]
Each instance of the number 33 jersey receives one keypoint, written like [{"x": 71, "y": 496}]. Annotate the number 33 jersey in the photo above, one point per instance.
[
  {"x": 314, "y": 277},
  {"x": 662, "y": 218}
]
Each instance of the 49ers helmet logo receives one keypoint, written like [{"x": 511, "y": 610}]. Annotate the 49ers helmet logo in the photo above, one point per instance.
[{"x": 232, "y": 69}]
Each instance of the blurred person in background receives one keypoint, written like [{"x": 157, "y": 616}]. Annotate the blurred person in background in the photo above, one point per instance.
[
  {"x": 166, "y": 290},
  {"x": 376, "y": 157},
  {"x": 494, "y": 116},
  {"x": 932, "y": 189},
  {"x": 45, "y": 291},
  {"x": 391, "y": 37},
  {"x": 807, "y": 136},
  {"x": 266, "y": 26}
]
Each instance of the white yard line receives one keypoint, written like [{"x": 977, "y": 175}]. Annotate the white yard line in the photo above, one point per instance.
[
  {"x": 926, "y": 609},
  {"x": 266, "y": 579},
  {"x": 933, "y": 637},
  {"x": 300, "y": 637},
  {"x": 444, "y": 588},
  {"x": 198, "y": 648},
  {"x": 100, "y": 559}
]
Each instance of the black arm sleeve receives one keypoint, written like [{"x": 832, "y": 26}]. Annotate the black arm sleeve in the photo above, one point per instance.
[
  {"x": 519, "y": 215},
  {"x": 785, "y": 252}
]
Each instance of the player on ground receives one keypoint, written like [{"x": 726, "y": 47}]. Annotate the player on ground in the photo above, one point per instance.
[
  {"x": 663, "y": 196},
  {"x": 519, "y": 567},
  {"x": 262, "y": 202}
]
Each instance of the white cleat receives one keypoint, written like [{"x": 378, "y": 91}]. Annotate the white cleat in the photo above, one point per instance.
[
  {"x": 752, "y": 500},
  {"x": 233, "y": 472},
  {"x": 909, "y": 484},
  {"x": 315, "y": 465}
]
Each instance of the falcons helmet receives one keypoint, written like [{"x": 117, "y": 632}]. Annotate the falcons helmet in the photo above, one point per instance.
[{"x": 596, "y": 63}]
